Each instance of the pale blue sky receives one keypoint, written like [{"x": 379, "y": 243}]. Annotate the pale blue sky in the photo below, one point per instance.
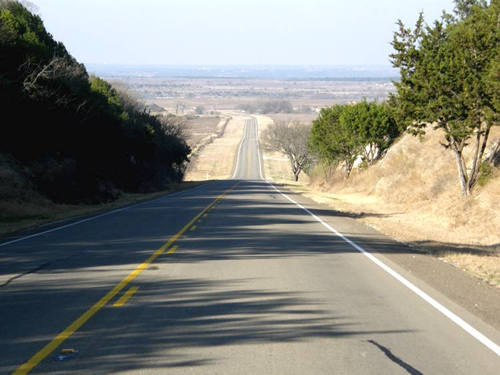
[{"x": 227, "y": 32}]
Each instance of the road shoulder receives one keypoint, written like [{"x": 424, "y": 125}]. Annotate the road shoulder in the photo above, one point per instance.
[
  {"x": 472, "y": 294},
  {"x": 68, "y": 214}
]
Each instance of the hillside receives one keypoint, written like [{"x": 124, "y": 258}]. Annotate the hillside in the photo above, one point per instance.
[
  {"x": 420, "y": 176},
  {"x": 73, "y": 138}
]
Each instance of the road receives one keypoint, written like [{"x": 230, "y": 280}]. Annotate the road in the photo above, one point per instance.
[
  {"x": 248, "y": 165},
  {"x": 231, "y": 277}
]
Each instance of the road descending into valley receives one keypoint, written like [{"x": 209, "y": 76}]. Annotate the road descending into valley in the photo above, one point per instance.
[{"x": 230, "y": 277}]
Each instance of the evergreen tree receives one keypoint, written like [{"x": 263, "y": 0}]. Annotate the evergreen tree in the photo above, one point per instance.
[{"x": 447, "y": 79}]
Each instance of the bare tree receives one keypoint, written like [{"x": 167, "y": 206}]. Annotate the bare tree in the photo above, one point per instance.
[
  {"x": 179, "y": 107},
  {"x": 291, "y": 139}
]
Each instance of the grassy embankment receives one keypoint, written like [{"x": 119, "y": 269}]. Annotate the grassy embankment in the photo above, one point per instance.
[{"x": 31, "y": 210}]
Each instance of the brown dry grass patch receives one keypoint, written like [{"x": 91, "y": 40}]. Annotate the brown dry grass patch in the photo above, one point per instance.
[{"x": 485, "y": 267}]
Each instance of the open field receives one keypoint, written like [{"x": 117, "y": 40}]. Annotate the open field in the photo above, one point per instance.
[{"x": 181, "y": 95}]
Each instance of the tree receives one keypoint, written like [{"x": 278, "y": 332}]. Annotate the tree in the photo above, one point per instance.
[
  {"x": 291, "y": 139},
  {"x": 333, "y": 140},
  {"x": 447, "y": 75},
  {"x": 343, "y": 133},
  {"x": 372, "y": 126}
]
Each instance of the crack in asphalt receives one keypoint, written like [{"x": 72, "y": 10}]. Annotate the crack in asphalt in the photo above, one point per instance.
[
  {"x": 410, "y": 369},
  {"x": 33, "y": 270}
]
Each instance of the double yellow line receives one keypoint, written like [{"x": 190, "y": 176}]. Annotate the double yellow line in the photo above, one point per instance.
[{"x": 80, "y": 321}]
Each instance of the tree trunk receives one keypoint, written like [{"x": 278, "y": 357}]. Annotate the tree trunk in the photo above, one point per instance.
[
  {"x": 475, "y": 162},
  {"x": 348, "y": 168},
  {"x": 462, "y": 177},
  {"x": 295, "y": 168},
  {"x": 296, "y": 175},
  {"x": 478, "y": 155}
]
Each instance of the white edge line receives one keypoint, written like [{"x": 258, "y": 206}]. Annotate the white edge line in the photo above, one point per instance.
[
  {"x": 443, "y": 310},
  {"x": 238, "y": 153},
  {"x": 258, "y": 149},
  {"x": 167, "y": 195}
]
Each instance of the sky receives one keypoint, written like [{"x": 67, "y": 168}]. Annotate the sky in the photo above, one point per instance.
[{"x": 232, "y": 32}]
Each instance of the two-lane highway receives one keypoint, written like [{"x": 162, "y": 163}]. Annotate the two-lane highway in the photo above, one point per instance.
[
  {"x": 248, "y": 165},
  {"x": 232, "y": 277}
]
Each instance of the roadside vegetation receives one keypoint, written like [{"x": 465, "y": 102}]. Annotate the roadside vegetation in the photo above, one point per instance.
[{"x": 69, "y": 137}]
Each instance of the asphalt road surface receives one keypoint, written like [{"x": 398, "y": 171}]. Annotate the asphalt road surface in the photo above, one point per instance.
[
  {"x": 248, "y": 165},
  {"x": 231, "y": 277}
]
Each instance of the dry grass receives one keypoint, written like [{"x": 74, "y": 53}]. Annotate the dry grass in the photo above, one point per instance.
[
  {"x": 486, "y": 267},
  {"x": 215, "y": 160}
]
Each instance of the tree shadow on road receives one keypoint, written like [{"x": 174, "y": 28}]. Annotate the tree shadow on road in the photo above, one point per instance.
[
  {"x": 169, "y": 322},
  {"x": 170, "y": 319}
]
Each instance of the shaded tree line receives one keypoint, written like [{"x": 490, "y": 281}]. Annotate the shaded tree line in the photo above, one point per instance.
[
  {"x": 267, "y": 107},
  {"x": 77, "y": 138}
]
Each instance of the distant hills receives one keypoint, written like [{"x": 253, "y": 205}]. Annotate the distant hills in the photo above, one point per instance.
[{"x": 314, "y": 72}]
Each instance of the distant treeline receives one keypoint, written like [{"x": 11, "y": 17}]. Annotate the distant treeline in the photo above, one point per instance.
[
  {"x": 77, "y": 138},
  {"x": 273, "y": 106}
]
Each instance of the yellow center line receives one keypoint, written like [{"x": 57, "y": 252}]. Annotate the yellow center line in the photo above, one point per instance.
[
  {"x": 123, "y": 299},
  {"x": 26, "y": 367},
  {"x": 193, "y": 228},
  {"x": 172, "y": 249}
]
